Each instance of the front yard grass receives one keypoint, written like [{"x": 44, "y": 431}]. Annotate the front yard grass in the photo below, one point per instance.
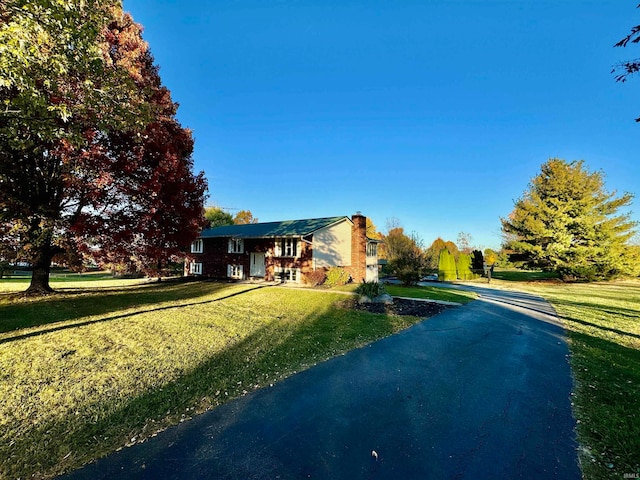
[
  {"x": 515, "y": 275},
  {"x": 431, "y": 293},
  {"x": 108, "y": 363},
  {"x": 96, "y": 368},
  {"x": 603, "y": 325}
]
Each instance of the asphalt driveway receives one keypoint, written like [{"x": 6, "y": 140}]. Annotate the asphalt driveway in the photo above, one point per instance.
[{"x": 481, "y": 391}]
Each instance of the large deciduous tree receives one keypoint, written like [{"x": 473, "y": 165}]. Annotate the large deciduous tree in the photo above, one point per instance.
[
  {"x": 464, "y": 242},
  {"x": 568, "y": 223},
  {"x": 217, "y": 217},
  {"x": 244, "y": 217},
  {"x": 91, "y": 156},
  {"x": 405, "y": 255}
]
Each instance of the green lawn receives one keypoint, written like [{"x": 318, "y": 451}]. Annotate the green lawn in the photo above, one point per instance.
[
  {"x": 514, "y": 275},
  {"x": 100, "y": 366},
  {"x": 108, "y": 362},
  {"x": 603, "y": 325},
  {"x": 64, "y": 281},
  {"x": 432, "y": 293}
]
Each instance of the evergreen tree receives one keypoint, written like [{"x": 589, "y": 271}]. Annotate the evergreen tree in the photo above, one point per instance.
[
  {"x": 447, "y": 266},
  {"x": 477, "y": 261},
  {"x": 464, "y": 267},
  {"x": 566, "y": 222}
]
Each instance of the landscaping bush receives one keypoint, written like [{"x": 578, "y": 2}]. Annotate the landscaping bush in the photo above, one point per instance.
[
  {"x": 408, "y": 274},
  {"x": 464, "y": 267},
  {"x": 315, "y": 278},
  {"x": 408, "y": 266},
  {"x": 337, "y": 276},
  {"x": 371, "y": 289},
  {"x": 447, "y": 267},
  {"x": 407, "y": 260}
]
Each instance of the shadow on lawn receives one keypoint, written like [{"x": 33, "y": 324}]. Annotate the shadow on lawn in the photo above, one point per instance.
[
  {"x": 269, "y": 354},
  {"x": 600, "y": 327},
  {"x": 124, "y": 315},
  {"x": 77, "y": 304},
  {"x": 626, "y": 312},
  {"x": 607, "y": 403}
]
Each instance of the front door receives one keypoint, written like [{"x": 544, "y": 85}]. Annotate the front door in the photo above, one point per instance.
[{"x": 257, "y": 265}]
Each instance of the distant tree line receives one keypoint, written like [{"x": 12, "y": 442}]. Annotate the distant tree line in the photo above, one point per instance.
[
  {"x": 219, "y": 217},
  {"x": 410, "y": 261}
]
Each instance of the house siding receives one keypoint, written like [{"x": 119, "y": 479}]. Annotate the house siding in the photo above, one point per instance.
[{"x": 332, "y": 246}]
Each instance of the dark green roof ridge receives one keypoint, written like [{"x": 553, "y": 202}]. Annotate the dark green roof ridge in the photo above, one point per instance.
[{"x": 287, "y": 228}]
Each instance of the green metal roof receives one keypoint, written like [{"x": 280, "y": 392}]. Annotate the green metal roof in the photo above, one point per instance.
[{"x": 288, "y": 228}]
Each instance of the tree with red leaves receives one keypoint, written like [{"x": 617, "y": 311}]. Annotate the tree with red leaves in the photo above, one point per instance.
[
  {"x": 626, "y": 69},
  {"x": 92, "y": 158},
  {"x": 167, "y": 212}
]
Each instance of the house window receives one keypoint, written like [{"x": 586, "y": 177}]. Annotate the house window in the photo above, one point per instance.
[
  {"x": 197, "y": 246},
  {"x": 287, "y": 274},
  {"x": 195, "y": 268},
  {"x": 236, "y": 245},
  {"x": 286, "y": 247},
  {"x": 235, "y": 271},
  {"x": 372, "y": 249}
]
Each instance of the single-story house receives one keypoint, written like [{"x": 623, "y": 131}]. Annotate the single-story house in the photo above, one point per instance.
[{"x": 286, "y": 251}]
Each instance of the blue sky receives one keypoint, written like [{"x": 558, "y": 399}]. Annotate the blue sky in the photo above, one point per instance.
[{"x": 437, "y": 113}]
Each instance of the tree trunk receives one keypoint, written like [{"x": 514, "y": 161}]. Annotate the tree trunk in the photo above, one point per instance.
[
  {"x": 41, "y": 262},
  {"x": 40, "y": 278}
]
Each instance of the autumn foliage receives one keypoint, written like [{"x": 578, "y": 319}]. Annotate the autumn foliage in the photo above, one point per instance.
[{"x": 92, "y": 158}]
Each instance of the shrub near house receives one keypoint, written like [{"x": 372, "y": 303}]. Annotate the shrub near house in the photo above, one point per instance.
[{"x": 287, "y": 251}]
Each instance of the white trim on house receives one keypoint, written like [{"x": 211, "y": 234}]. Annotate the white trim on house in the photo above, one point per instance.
[
  {"x": 257, "y": 265},
  {"x": 287, "y": 274},
  {"x": 236, "y": 245},
  {"x": 235, "y": 271},
  {"x": 287, "y": 247},
  {"x": 197, "y": 246},
  {"x": 195, "y": 268},
  {"x": 372, "y": 249}
]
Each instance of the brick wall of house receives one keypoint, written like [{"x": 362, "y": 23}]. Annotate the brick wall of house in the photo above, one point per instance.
[
  {"x": 216, "y": 257},
  {"x": 358, "y": 268},
  {"x": 304, "y": 261}
]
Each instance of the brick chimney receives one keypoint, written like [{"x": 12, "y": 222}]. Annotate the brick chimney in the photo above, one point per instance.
[{"x": 359, "y": 248}]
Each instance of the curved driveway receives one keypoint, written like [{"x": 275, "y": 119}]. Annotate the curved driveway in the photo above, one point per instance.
[{"x": 480, "y": 392}]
